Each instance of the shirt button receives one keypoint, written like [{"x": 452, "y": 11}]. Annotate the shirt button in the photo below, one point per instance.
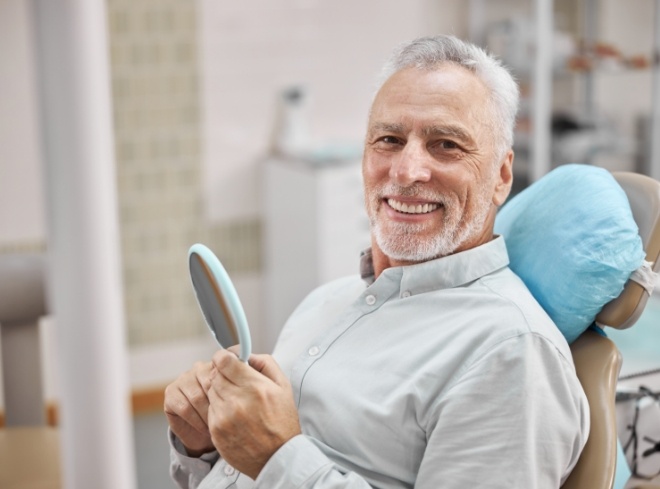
[
  {"x": 406, "y": 293},
  {"x": 313, "y": 351},
  {"x": 370, "y": 300},
  {"x": 229, "y": 470}
]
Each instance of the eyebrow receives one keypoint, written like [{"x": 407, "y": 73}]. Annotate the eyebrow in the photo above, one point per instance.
[
  {"x": 452, "y": 130},
  {"x": 455, "y": 131},
  {"x": 386, "y": 127}
]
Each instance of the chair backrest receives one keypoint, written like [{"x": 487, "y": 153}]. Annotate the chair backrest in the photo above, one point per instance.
[
  {"x": 644, "y": 196},
  {"x": 597, "y": 360}
]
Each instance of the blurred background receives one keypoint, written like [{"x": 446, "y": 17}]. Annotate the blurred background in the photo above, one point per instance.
[{"x": 239, "y": 125}]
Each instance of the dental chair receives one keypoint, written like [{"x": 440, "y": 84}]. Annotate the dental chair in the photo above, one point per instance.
[
  {"x": 598, "y": 361},
  {"x": 575, "y": 242}
]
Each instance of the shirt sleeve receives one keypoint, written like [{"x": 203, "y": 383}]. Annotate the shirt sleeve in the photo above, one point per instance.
[
  {"x": 297, "y": 464},
  {"x": 300, "y": 464},
  {"x": 188, "y": 472},
  {"x": 516, "y": 418}
]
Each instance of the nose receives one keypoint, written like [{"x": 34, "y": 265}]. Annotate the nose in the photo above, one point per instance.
[{"x": 411, "y": 165}]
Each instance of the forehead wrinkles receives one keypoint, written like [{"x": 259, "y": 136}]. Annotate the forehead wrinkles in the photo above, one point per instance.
[
  {"x": 477, "y": 122},
  {"x": 451, "y": 130},
  {"x": 395, "y": 127},
  {"x": 481, "y": 112}
]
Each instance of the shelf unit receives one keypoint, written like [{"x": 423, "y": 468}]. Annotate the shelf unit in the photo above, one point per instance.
[
  {"x": 542, "y": 12},
  {"x": 315, "y": 227}
]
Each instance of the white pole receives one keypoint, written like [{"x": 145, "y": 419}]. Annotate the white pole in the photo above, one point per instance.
[
  {"x": 83, "y": 244},
  {"x": 542, "y": 91},
  {"x": 654, "y": 167}
]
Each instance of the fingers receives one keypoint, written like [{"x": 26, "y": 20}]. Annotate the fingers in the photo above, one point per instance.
[
  {"x": 216, "y": 409},
  {"x": 250, "y": 415},
  {"x": 204, "y": 375},
  {"x": 267, "y": 366},
  {"x": 236, "y": 372},
  {"x": 231, "y": 369},
  {"x": 179, "y": 405},
  {"x": 236, "y": 350},
  {"x": 186, "y": 397}
]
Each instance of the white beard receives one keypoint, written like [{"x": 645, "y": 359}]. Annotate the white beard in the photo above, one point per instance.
[{"x": 405, "y": 241}]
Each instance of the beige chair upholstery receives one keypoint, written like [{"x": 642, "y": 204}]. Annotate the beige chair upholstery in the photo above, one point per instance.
[
  {"x": 597, "y": 362},
  {"x": 644, "y": 197},
  {"x": 597, "y": 359}
]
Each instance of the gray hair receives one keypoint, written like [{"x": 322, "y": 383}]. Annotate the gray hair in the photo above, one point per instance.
[{"x": 427, "y": 53}]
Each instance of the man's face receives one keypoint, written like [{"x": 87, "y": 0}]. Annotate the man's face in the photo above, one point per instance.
[{"x": 432, "y": 175}]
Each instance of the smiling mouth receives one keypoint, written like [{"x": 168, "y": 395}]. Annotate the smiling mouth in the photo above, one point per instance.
[{"x": 411, "y": 208}]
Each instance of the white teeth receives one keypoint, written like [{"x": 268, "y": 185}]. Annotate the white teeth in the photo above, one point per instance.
[{"x": 411, "y": 209}]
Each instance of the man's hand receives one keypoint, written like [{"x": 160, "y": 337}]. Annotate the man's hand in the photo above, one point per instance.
[
  {"x": 186, "y": 407},
  {"x": 252, "y": 412}
]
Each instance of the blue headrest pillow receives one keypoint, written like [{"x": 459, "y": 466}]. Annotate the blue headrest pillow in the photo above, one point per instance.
[{"x": 572, "y": 239}]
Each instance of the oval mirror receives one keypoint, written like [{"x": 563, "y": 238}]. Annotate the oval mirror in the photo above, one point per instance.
[{"x": 218, "y": 300}]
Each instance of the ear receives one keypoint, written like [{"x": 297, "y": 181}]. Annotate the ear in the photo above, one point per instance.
[{"x": 504, "y": 179}]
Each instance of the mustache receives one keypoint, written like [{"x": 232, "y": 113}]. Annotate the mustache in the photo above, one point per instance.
[{"x": 415, "y": 190}]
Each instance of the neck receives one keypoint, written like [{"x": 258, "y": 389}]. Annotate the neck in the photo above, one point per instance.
[{"x": 382, "y": 262}]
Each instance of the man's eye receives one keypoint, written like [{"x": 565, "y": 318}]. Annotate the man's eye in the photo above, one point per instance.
[
  {"x": 446, "y": 144},
  {"x": 389, "y": 140}
]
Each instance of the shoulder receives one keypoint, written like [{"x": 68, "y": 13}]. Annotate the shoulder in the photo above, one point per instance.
[
  {"x": 523, "y": 312},
  {"x": 323, "y": 304},
  {"x": 341, "y": 289}
]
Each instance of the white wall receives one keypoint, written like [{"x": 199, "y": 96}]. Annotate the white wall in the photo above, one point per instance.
[
  {"x": 21, "y": 201},
  {"x": 253, "y": 48}
]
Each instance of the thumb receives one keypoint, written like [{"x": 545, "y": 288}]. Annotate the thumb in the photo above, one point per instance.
[{"x": 268, "y": 367}]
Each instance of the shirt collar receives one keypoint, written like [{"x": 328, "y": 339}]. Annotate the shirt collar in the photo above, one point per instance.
[{"x": 446, "y": 272}]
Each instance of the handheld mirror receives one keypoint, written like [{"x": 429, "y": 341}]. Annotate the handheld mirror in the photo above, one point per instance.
[{"x": 218, "y": 300}]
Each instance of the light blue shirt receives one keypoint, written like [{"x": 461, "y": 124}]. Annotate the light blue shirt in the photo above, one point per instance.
[{"x": 444, "y": 374}]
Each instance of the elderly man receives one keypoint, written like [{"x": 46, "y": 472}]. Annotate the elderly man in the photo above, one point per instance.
[{"x": 436, "y": 368}]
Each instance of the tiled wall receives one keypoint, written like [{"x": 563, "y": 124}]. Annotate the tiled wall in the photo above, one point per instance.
[
  {"x": 155, "y": 80},
  {"x": 154, "y": 85}
]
